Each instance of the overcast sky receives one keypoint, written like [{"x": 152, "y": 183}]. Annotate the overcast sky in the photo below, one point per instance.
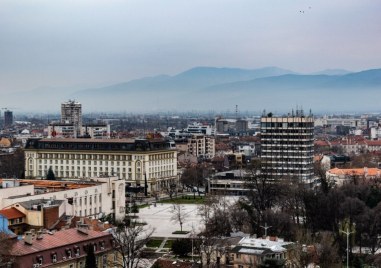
[{"x": 91, "y": 42}]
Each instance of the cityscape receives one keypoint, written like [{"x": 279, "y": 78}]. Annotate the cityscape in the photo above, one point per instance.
[{"x": 130, "y": 138}]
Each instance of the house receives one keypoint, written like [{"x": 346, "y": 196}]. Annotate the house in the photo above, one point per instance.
[
  {"x": 13, "y": 220},
  {"x": 66, "y": 248},
  {"x": 251, "y": 252}
]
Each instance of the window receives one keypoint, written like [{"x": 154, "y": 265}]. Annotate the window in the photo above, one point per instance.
[
  {"x": 54, "y": 257},
  {"x": 68, "y": 253}
]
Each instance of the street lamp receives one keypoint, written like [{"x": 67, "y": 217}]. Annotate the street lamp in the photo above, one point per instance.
[{"x": 348, "y": 233}]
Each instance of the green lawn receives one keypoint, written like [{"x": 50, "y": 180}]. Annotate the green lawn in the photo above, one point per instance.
[
  {"x": 168, "y": 244},
  {"x": 185, "y": 200},
  {"x": 154, "y": 243}
]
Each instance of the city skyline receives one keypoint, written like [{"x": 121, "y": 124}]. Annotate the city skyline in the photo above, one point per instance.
[{"x": 95, "y": 43}]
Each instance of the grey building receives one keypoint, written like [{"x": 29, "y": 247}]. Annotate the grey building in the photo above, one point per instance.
[{"x": 287, "y": 146}]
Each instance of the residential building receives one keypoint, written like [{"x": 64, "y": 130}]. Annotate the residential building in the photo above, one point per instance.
[
  {"x": 252, "y": 252},
  {"x": 65, "y": 248},
  {"x": 287, "y": 146},
  {"x": 71, "y": 113},
  {"x": 91, "y": 198},
  {"x": 15, "y": 220},
  {"x": 69, "y": 130},
  {"x": 138, "y": 162},
  {"x": 202, "y": 146}
]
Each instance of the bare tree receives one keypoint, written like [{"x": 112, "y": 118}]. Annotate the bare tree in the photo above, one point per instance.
[
  {"x": 129, "y": 243},
  {"x": 5, "y": 248},
  {"x": 178, "y": 214}
]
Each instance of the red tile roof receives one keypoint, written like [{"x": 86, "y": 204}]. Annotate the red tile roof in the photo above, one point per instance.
[
  {"x": 356, "y": 171},
  {"x": 58, "y": 239},
  {"x": 12, "y": 213}
]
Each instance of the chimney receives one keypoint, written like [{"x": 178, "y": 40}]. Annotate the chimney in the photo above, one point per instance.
[
  {"x": 83, "y": 228},
  {"x": 28, "y": 239},
  {"x": 39, "y": 235}
]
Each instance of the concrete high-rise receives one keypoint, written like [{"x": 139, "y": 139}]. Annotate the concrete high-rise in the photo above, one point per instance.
[
  {"x": 287, "y": 146},
  {"x": 8, "y": 118},
  {"x": 71, "y": 113}
]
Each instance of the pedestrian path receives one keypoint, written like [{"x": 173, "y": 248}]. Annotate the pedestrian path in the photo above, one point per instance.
[{"x": 162, "y": 245}]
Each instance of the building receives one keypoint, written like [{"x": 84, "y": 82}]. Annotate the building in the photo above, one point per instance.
[
  {"x": 71, "y": 113},
  {"x": 37, "y": 198},
  {"x": 287, "y": 146},
  {"x": 138, "y": 162},
  {"x": 252, "y": 252},
  {"x": 13, "y": 219},
  {"x": 66, "y": 248},
  {"x": 202, "y": 146},
  {"x": 232, "y": 182},
  {"x": 340, "y": 176},
  {"x": 69, "y": 130},
  {"x": 8, "y": 119}
]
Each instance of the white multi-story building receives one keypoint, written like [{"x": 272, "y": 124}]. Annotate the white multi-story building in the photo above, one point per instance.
[
  {"x": 91, "y": 198},
  {"x": 94, "y": 131},
  {"x": 150, "y": 163},
  {"x": 287, "y": 146}
]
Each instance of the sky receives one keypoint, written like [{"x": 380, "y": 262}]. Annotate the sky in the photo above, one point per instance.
[{"x": 87, "y": 43}]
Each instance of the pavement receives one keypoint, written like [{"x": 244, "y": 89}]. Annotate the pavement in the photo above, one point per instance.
[{"x": 159, "y": 218}]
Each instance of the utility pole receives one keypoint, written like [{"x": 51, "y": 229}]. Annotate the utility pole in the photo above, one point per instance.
[
  {"x": 265, "y": 227},
  {"x": 348, "y": 233}
]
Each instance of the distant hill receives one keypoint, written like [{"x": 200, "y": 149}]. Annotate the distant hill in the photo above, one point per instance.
[{"x": 210, "y": 88}]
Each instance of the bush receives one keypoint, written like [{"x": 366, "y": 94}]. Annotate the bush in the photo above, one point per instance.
[{"x": 181, "y": 247}]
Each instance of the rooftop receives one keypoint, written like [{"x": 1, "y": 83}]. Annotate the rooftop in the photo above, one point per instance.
[
  {"x": 12, "y": 213},
  {"x": 55, "y": 240}
]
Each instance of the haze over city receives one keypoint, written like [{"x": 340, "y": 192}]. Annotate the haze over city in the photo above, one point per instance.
[{"x": 56, "y": 47}]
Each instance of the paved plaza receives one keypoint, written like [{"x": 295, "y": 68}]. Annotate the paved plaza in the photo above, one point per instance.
[{"x": 159, "y": 217}]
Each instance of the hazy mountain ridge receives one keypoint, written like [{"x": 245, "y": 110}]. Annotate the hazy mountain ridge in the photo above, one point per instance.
[{"x": 205, "y": 88}]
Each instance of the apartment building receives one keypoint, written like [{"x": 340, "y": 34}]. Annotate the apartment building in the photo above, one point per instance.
[
  {"x": 71, "y": 113},
  {"x": 202, "y": 146},
  {"x": 138, "y": 162},
  {"x": 287, "y": 146},
  {"x": 70, "y": 130}
]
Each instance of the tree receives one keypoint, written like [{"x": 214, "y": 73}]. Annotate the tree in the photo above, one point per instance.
[
  {"x": 178, "y": 214},
  {"x": 50, "y": 175},
  {"x": 5, "y": 248},
  {"x": 90, "y": 257},
  {"x": 129, "y": 243},
  {"x": 181, "y": 247}
]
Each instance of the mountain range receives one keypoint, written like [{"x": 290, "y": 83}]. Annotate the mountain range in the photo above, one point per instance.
[{"x": 219, "y": 89}]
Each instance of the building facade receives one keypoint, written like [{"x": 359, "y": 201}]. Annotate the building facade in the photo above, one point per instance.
[
  {"x": 71, "y": 113},
  {"x": 8, "y": 119},
  {"x": 202, "y": 146},
  {"x": 93, "y": 198},
  {"x": 138, "y": 162},
  {"x": 287, "y": 146}
]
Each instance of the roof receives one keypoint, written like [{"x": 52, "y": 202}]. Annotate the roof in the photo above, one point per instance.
[
  {"x": 56, "y": 240},
  {"x": 12, "y": 213},
  {"x": 356, "y": 171},
  {"x": 46, "y": 202},
  {"x": 88, "y": 140},
  {"x": 164, "y": 263}
]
